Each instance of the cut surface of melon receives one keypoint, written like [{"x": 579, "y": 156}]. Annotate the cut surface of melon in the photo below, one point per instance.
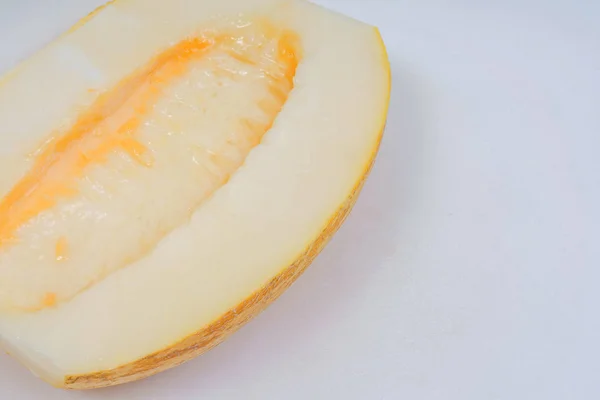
[{"x": 168, "y": 168}]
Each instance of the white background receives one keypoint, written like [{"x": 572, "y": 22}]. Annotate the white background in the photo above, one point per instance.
[{"x": 469, "y": 268}]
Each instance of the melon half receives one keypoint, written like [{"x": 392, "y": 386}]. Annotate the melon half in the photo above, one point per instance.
[{"x": 168, "y": 168}]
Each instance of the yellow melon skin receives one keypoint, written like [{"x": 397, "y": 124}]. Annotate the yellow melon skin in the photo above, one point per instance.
[{"x": 75, "y": 364}]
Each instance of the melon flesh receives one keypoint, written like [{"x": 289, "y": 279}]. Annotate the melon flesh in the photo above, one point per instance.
[{"x": 168, "y": 168}]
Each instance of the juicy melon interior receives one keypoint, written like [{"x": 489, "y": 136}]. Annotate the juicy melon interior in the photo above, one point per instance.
[
  {"x": 187, "y": 119},
  {"x": 177, "y": 157}
]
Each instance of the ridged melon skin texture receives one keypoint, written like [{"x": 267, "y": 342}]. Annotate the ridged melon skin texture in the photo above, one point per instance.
[{"x": 124, "y": 301}]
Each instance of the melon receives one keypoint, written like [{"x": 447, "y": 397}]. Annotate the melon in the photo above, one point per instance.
[{"x": 168, "y": 169}]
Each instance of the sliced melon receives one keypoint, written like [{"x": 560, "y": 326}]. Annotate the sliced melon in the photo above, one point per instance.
[{"x": 167, "y": 169}]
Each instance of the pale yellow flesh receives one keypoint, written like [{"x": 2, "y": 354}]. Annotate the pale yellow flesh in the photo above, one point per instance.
[{"x": 121, "y": 310}]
